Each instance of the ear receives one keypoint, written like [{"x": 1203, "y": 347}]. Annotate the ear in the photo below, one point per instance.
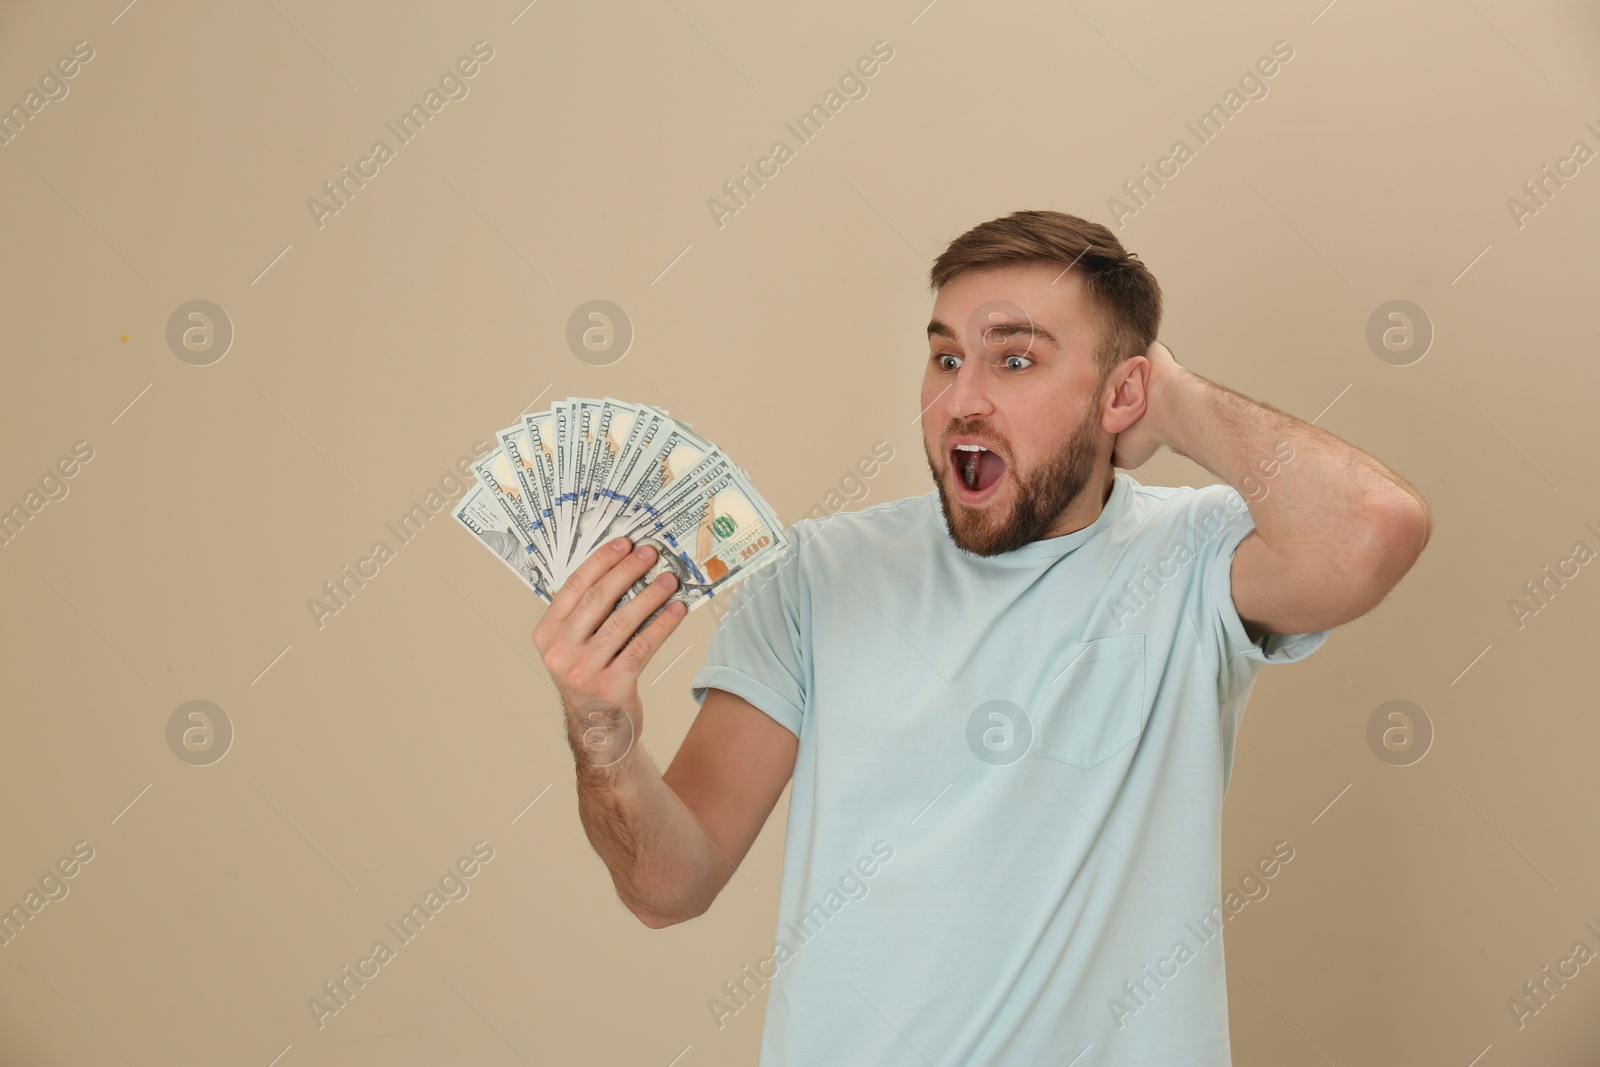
[{"x": 1123, "y": 397}]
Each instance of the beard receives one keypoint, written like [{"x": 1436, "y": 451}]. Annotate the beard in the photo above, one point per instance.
[{"x": 1038, "y": 497}]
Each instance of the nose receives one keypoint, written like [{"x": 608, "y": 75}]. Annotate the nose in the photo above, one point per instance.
[{"x": 969, "y": 393}]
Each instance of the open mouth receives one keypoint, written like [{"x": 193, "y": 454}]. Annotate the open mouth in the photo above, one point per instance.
[{"x": 976, "y": 470}]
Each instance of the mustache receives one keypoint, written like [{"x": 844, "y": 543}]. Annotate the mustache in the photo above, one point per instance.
[{"x": 993, "y": 441}]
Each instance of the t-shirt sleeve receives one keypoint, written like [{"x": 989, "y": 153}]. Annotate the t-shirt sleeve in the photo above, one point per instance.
[
  {"x": 1220, "y": 520},
  {"x": 761, "y": 649}
]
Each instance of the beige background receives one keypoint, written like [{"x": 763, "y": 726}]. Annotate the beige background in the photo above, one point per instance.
[{"x": 371, "y": 353}]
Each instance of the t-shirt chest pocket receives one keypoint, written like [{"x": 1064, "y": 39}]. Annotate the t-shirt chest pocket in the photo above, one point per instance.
[{"x": 1092, "y": 700}]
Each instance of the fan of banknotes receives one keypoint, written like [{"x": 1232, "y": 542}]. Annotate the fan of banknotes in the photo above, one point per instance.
[{"x": 565, "y": 481}]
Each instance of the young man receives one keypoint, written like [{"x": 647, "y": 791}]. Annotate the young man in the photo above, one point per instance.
[{"x": 1008, "y": 706}]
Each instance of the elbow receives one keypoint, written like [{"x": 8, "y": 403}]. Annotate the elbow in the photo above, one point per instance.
[
  {"x": 1400, "y": 526},
  {"x": 660, "y": 921},
  {"x": 1405, "y": 525}
]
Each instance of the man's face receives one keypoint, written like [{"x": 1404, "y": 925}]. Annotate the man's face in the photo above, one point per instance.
[{"x": 1011, "y": 368}]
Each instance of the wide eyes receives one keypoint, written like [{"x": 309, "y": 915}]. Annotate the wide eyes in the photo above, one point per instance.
[{"x": 1015, "y": 361}]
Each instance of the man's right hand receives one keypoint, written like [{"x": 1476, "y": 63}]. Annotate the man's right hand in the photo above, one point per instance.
[{"x": 586, "y": 647}]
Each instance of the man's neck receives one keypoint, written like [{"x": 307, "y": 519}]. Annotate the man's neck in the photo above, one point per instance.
[{"x": 1078, "y": 515}]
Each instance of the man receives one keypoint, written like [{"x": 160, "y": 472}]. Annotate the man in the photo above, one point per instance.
[{"x": 1008, "y": 706}]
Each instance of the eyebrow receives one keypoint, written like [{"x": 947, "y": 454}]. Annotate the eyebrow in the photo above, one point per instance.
[{"x": 1007, "y": 329}]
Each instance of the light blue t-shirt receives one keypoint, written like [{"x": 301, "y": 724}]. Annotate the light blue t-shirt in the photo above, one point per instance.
[{"x": 1006, "y": 810}]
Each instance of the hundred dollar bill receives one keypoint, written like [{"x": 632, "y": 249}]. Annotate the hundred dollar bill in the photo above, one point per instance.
[
  {"x": 586, "y": 413},
  {"x": 563, "y": 412},
  {"x": 636, "y": 514},
  {"x": 520, "y": 456},
  {"x": 642, "y": 473},
  {"x": 565, "y": 480},
  {"x": 482, "y": 514},
  {"x": 641, "y": 430},
  {"x": 642, "y": 434},
  {"x": 690, "y": 483},
  {"x": 698, "y": 487},
  {"x": 494, "y": 472},
  {"x": 712, "y": 542},
  {"x": 660, "y": 518},
  {"x": 573, "y": 433},
  {"x": 612, "y": 432},
  {"x": 541, "y": 430}
]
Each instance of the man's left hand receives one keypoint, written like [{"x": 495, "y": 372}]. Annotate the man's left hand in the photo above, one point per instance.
[{"x": 1139, "y": 441}]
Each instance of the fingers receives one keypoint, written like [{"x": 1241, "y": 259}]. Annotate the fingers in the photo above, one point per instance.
[
  {"x": 615, "y": 631},
  {"x": 581, "y": 600},
  {"x": 583, "y": 629},
  {"x": 596, "y": 605},
  {"x": 648, "y": 641}
]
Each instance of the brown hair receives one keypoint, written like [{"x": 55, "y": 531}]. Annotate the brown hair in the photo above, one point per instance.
[{"x": 1122, "y": 289}]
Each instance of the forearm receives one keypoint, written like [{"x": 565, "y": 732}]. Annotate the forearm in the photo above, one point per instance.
[
  {"x": 662, "y": 863},
  {"x": 1306, "y": 488}
]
